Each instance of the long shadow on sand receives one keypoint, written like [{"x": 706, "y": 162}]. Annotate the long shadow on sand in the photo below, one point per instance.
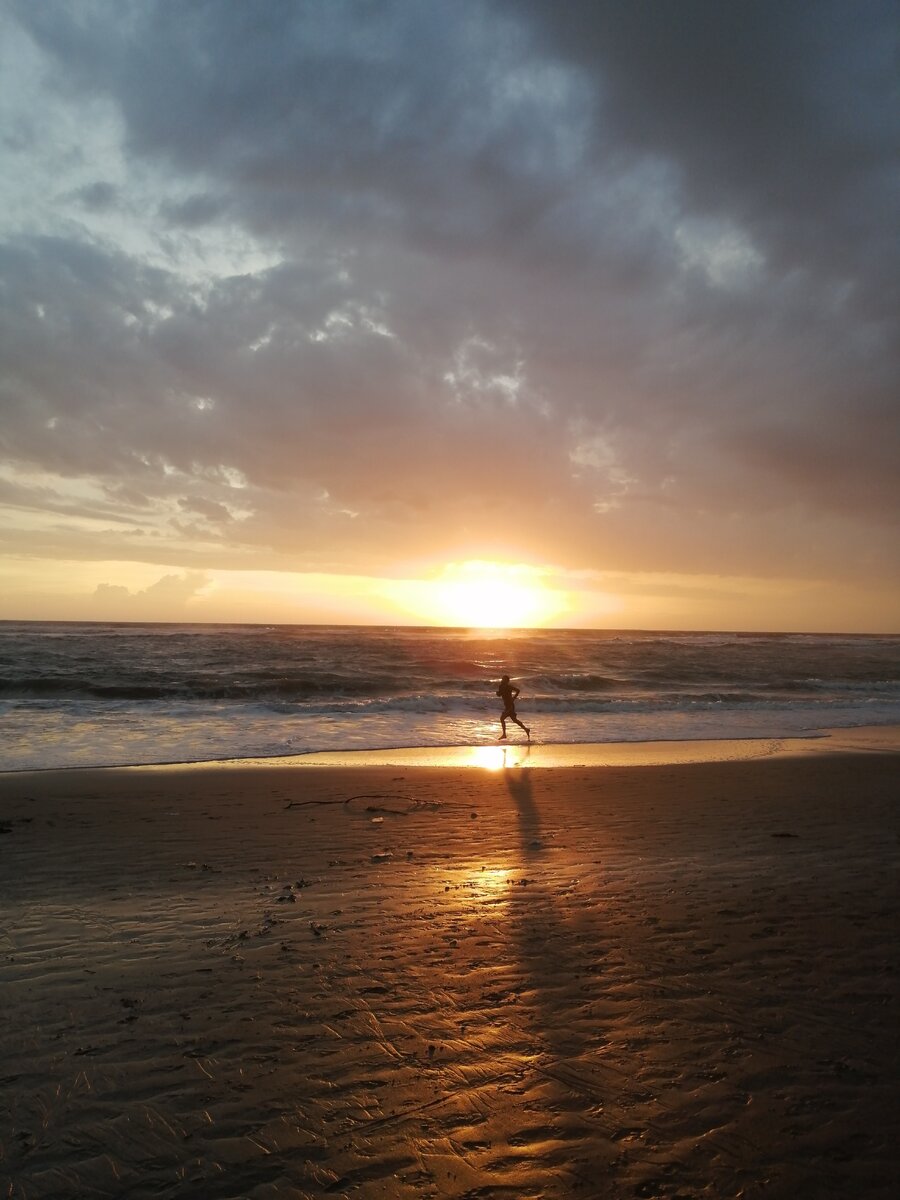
[{"x": 558, "y": 953}]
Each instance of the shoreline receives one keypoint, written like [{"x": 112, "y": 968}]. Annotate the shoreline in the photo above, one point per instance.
[
  {"x": 494, "y": 756},
  {"x": 884, "y": 739}
]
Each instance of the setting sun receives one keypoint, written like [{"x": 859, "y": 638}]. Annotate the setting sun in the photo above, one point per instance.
[{"x": 494, "y": 596}]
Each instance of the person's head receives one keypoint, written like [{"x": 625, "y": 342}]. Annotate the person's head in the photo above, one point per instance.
[{"x": 505, "y": 679}]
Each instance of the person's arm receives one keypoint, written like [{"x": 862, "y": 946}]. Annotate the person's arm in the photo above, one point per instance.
[{"x": 515, "y": 693}]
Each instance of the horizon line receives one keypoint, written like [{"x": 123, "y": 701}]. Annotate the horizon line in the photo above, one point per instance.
[{"x": 412, "y": 626}]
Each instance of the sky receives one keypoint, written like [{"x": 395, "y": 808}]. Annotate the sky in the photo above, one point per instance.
[{"x": 498, "y": 310}]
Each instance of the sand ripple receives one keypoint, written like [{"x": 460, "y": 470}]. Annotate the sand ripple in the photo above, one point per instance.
[{"x": 650, "y": 982}]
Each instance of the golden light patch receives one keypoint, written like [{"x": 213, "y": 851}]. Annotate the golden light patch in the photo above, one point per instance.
[
  {"x": 489, "y": 758},
  {"x": 487, "y": 595}
]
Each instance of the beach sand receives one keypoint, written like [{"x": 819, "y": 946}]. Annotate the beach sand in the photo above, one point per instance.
[{"x": 667, "y": 980}]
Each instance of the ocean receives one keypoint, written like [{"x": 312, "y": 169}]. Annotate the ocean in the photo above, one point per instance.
[{"x": 115, "y": 694}]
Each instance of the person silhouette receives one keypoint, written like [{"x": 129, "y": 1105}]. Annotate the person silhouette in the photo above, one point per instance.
[{"x": 509, "y": 693}]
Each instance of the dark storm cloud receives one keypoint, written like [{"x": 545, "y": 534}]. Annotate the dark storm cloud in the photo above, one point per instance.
[
  {"x": 638, "y": 258},
  {"x": 784, "y": 115},
  {"x": 96, "y": 197},
  {"x": 195, "y": 211},
  {"x": 351, "y": 115}
]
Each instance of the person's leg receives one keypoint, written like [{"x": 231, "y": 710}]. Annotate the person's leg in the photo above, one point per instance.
[{"x": 502, "y": 736}]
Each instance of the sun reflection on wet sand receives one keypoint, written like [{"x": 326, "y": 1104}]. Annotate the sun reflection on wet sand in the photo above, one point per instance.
[
  {"x": 496, "y": 758},
  {"x": 488, "y": 883}
]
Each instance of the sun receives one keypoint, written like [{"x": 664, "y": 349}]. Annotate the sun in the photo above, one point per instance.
[{"x": 487, "y": 595}]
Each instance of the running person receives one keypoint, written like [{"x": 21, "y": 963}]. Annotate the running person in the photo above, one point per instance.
[{"x": 509, "y": 693}]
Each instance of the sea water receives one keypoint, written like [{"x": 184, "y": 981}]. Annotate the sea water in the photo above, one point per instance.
[{"x": 113, "y": 694}]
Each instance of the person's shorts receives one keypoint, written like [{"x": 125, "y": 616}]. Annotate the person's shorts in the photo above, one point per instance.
[{"x": 509, "y": 711}]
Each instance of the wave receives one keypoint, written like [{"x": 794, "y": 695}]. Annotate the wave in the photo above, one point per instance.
[
  {"x": 341, "y": 692},
  {"x": 577, "y": 682},
  {"x": 283, "y": 665},
  {"x": 472, "y": 708},
  {"x": 74, "y": 687}
]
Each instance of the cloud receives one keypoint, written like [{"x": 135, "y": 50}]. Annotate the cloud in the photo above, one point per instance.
[
  {"x": 96, "y": 197},
  {"x": 166, "y": 599},
  {"x": 606, "y": 284}
]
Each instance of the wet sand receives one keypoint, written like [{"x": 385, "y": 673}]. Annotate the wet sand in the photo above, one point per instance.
[{"x": 667, "y": 980}]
